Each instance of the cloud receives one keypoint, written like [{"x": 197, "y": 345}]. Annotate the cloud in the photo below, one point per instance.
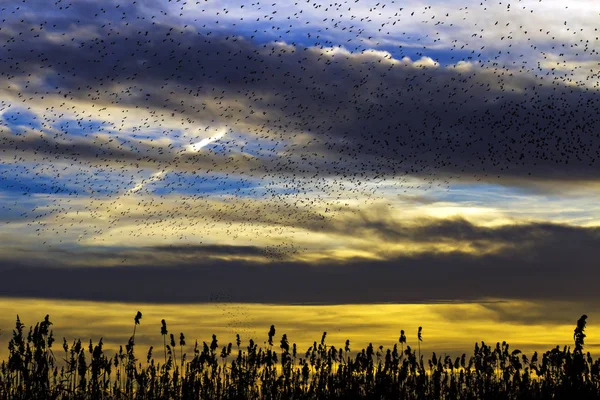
[
  {"x": 439, "y": 230},
  {"x": 363, "y": 114},
  {"x": 196, "y": 147},
  {"x": 307, "y": 229},
  {"x": 533, "y": 269},
  {"x": 315, "y": 127},
  {"x": 210, "y": 249}
]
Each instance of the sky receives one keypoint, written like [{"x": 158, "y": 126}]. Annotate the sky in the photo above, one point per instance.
[{"x": 309, "y": 152}]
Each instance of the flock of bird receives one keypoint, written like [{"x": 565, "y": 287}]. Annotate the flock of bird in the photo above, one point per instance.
[{"x": 161, "y": 118}]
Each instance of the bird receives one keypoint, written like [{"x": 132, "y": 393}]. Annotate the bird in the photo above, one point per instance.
[{"x": 261, "y": 125}]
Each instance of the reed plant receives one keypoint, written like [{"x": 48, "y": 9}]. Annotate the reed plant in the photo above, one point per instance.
[{"x": 34, "y": 371}]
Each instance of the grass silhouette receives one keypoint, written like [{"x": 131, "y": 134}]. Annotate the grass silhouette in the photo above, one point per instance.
[{"x": 34, "y": 371}]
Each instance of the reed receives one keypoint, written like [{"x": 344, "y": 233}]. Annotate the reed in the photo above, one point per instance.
[{"x": 32, "y": 370}]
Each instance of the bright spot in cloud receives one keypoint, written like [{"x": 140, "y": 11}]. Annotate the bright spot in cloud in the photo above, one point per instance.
[
  {"x": 196, "y": 147},
  {"x": 153, "y": 178}
]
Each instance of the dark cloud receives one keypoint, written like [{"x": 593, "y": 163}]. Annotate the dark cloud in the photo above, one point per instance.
[
  {"x": 101, "y": 153},
  {"x": 366, "y": 116},
  {"x": 435, "y": 230},
  {"x": 543, "y": 269},
  {"x": 164, "y": 255},
  {"x": 210, "y": 250}
]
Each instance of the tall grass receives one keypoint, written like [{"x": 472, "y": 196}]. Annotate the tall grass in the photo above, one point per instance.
[{"x": 278, "y": 371}]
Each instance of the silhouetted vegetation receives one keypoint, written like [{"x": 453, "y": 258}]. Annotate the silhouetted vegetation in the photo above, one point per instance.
[{"x": 36, "y": 369}]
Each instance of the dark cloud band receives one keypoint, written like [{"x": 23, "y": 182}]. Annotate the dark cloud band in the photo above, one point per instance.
[{"x": 539, "y": 265}]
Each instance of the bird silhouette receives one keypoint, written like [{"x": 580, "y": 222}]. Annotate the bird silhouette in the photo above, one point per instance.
[{"x": 182, "y": 121}]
